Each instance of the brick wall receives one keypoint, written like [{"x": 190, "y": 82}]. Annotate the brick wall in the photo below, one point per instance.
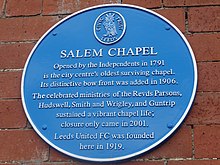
[{"x": 22, "y": 22}]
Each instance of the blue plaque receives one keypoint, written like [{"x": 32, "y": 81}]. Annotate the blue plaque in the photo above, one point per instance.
[{"x": 109, "y": 82}]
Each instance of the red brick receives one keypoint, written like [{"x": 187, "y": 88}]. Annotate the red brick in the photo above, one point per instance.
[
  {"x": 12, "y": 114},
  {"x": 1, "y": 7},
  {"x": 9, "y": 163},
  {"x": 194, "y": 162},
  {"x": 206, "y": 140},
  {"x": 204, "y": 19},
  {"x": 52, "y": 163},
  {"x": 10, "y": 84},
  {"x": 144, "y": 163},
  {"x": 144, "y": 3},
  {"x": 56, "y": 156},
  {"x": 88, "y": 3},
  {"x": 176, "y": 16},
  {"x": 55, "y": 7},
  {"x": 174, "y": 3},
  {"x": 51, "y": 7},
  {"x": 14, "y": 56},
  {"x": 205, "y": 46},
  {"x": 205, "y": 109},
  {"x": 23, "y": 7},
  {"x": 177, "y": 146},
  {"x": 22, "y": 145},
  {"x": 202, "y": 2},
  {"x": 128, "y": 163},
  {"x": 208, "y": 78},
  {"x": 25, "y": 28}
]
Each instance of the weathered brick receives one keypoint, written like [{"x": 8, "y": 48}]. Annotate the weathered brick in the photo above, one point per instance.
[
  {"x": 144, "y": 3},
  {"x": 208, "y": 76},
  {"x": 1, "y": 7},
  {"x": 25, "y": 28},
  {"x": 88, "y": 3},
  {"x": 130, "y": 163},
  {"x": 57, "y": 7},
  {"x": 10, "y": 84},
  {"x": 144, "y": 163},
  {"x": 51, "y": 7},
  {"x": 205, "y": 46},
  {"x": 177, "y": 146},
  {"x": 206, "y": 140},
  {"x": 194, "y": 162},
  {"x": 176, "y": 16},
  {"x": 202, "y": 2},
  {"x": 12, "y": 114},
  {"x": 204, "y": 19},
  {"x": 56, "y": 156},
  {"x": 22, "y": 145},
  {"x": 14, "y": 56},
  {"x": 205, "y": 109},
  {"x": 9, "y": 163},
  {"x": 23, "y": 7},
  {"x": 174, "y": 3},
  {"x": 52, "y": 163}
]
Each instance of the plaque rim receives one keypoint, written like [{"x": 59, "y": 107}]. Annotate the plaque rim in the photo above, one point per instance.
[{"x": 135, "y": 153}]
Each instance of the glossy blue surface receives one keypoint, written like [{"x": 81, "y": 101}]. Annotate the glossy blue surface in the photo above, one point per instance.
[{"x": 69, "y": 63}]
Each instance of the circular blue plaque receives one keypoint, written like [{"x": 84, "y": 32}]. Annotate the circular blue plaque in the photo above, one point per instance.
[{"x": 109, "y": 82}]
